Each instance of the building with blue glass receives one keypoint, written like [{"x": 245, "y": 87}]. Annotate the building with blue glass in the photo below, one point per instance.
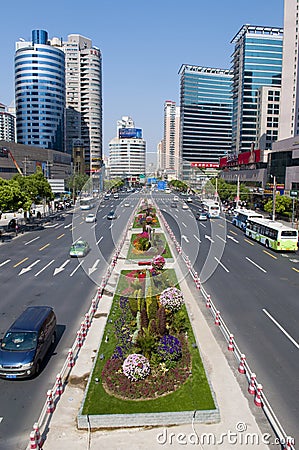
[
  {"x": 40, "y": 92},
  {"x": 205, "y": 115},
  {"x": 256, "y": 62}
]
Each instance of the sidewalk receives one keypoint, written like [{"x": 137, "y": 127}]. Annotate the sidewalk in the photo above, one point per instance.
[{"x": 237, "y": 422}]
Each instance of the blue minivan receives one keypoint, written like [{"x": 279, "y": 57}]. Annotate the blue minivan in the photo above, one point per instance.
[{"x": 26, "y": 343}]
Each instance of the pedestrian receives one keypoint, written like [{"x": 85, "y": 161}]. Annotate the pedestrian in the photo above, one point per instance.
[{"x": 17, "y": 229}]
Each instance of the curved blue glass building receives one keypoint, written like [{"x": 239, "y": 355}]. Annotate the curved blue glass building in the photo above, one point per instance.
[{"x": 40, "y": 92}]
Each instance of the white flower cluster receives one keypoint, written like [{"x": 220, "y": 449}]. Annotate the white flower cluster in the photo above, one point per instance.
[
  {"x": 136, "y": 367},
  {"x": 172, "y": 298}
]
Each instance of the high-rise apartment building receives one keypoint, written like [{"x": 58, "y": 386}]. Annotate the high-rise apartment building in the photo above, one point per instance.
[
  {"x": 205, "y": 115},
  {"x": 171, "y": 139},
  {"x": 256, "y": 62},
  {"x": 7, "y": 125},
  {"x": 289, "y": 106},
  {"x": 40, "y": 92},
  {"x": 84, "y": 99},
  {"x": 127, "y": 152}
]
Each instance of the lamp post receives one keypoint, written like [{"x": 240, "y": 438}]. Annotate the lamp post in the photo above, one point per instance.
[
  {"x": 274, "y": 197},
  {"x": 238, "y": 191}
]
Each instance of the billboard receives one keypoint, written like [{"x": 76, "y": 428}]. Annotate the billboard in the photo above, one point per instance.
[
  {"x": 130, "y": 133},
  {"x": 162, "y": 185},
  {"x": 205, "y": 165}
]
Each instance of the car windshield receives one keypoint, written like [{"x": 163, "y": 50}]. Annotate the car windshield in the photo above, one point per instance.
[
  {"x": 19, "y": 341},
  {"x": 79, "y": 245}
]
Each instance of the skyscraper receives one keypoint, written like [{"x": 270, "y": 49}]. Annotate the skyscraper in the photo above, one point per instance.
[
  {"x": 127, "y": 152},
  {"x": 289, "y": 106},
  {"x": 40, "y": 92},
  {"x": 7, "y": 125},
  {"x": 171, "y": 139},
  {"x": 206, "y": 111},
  {"x": 84, "y": 99},
  {"x": 256, "y": 62}
]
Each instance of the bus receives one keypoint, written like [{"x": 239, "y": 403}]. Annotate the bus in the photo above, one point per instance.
[
  {"x": 86, "y": 203},
  {"x": 242, "y": 215},
  {"x": 272, "y": 234},
  {"x": 211, "y": 207}
]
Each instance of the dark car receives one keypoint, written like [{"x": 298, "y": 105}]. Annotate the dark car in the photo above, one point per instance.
[
  {"x": 173, "y": 205},
  {"x": 27, "y": 341},
  {"x": 111, "y": 215}
]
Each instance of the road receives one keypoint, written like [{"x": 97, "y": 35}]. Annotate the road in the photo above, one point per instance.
[
  {"x": 256, "y": 291},
  {"x": 35, "y": 269}
]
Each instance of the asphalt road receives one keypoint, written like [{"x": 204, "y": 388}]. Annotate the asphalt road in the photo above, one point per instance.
[
  {"x": 35, "y": 269},
  {"x": 256, "y": 292}
]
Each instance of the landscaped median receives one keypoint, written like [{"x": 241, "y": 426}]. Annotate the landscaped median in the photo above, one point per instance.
[{"x": 148, "y": 369}]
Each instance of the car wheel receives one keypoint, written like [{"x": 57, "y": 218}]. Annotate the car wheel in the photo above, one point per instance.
[
  {"x": 37, "y": 368},
  {"x": 53, "y": 338}
]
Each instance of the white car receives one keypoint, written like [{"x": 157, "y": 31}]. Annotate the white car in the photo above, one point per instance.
[
  {"x": 127, "y": 204},
  {"x": 185, "y": 206},
  {"x": 189, "y": 200},
  {"x": 90, "y": 218},
  {"x": 175, "y": 198}
]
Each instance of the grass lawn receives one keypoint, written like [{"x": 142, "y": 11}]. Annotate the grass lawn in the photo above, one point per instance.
[
  {"x": 194, "y": 394},
  {"x": 160, "y": 245}
]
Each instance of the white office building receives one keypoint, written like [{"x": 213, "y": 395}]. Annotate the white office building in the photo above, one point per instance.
[
  {"x": 127, "y": 152},
  {"x": 7, "y": 125}
]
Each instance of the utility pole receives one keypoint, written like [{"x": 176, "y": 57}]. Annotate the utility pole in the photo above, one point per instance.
[
  {"x": 238, "y": 191},
  {"x": 274, "y": 197}
]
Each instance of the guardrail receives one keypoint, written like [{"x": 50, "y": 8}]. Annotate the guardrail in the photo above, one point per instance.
[
  {"x": 254, "y": 388},
  {"x": 41, "y": 426}
]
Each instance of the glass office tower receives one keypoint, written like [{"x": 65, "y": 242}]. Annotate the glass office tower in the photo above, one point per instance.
[
  {"x": 40, "y": 92},
  {"x": 206, "y": 114},
  {"x": 256, "y": 62}
]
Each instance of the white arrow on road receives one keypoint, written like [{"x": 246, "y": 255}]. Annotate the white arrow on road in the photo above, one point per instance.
[
  {"x": 233, "y": 239},
  {"x": 67, "y": 226},
  {"x": 94, "y": 267},
  {"x": 26, "y": 269},
  {"x": 185, "y": 238},
  {"x": 209, "y": 238},
  {"x": 61, "y": 268}
]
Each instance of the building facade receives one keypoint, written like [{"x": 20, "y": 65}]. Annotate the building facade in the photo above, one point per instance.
[
  {"x": 268, "y": 105},
  {"x": 289, "y": 113},
  {"x": 256, "y": 62},
  {"x": 84, "y": 99},
  {"x": 127, "y": 152},
  {"x": 40, "y": 92},
  {"x": 171, "y": 139},
  {"x": 205, "y": 115},
  {"x": 7, "y": 125}
]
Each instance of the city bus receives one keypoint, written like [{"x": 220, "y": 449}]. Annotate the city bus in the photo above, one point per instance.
[
  {"x": 86, "y": 203},
  {"x": 242, "y": 215},
  {"x": 211, "y": 207},
  {"x": 272, "y": 234}
]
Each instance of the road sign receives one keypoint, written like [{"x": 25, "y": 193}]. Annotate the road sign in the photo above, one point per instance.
[{"x": 294, "y": 193}]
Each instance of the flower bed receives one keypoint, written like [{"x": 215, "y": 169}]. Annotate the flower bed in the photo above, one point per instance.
[{"x": 139, "y": 248}]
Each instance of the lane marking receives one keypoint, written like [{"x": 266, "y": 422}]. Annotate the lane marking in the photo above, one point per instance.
[
  {"x": 59, "y": 237},
  {"x": 223, "y": 240},
  {"x": 256, "y": 265},
  {"x": 26, "y": 269},
  {"x": 222, "y": 265},
  {"x": 203, "y": 225},
  {"x": 184, "y": 224},
  {"x": 221, "y": 225},
  {"x": 197, "y": 238},
  {"x": 185, "y": 238},
  {"x": 99, "y": 240},
  {"x": 32, "y": 240},
  {"x": 232, "y": 239},
  {"x": 61, "y": 268},
  {"x": 267, "y": 253},
  {"x": 75, "y": 270},
  {"x": 45, "y": 246},
  {"x": 294, "y": 268},
  {"x": 233, "y": 232},
  {"x": 23, "y": 260},
  {"x": 246, "y": 240},
  {"x": 5, "y": 262},
  {"x": 281, "y": 328},
  {"x": 44, "y": 268},
  {"x": 59, "y": 226},
  {"x": 69, "y": 225}
]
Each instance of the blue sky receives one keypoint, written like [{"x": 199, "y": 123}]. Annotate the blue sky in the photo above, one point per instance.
[{"x": 143, "y": 45}]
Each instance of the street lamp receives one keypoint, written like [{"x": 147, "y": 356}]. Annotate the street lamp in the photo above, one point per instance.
[{"x": 274, "y": 196}]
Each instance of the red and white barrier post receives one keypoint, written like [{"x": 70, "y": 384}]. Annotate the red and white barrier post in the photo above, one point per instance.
[
  {"x": 258, "y": 396},
  {"x": 241, "y": 368},
  {"x": 59, "y": 385},
  {"x": 231, "y": 343},
  {"x": 251, "y": 387},
  {"x": 50, "y": 402},
  {"x": 217, "y": 318},
  {"x": 70, "y": 358},
  {"x": 208, "y": 302}
]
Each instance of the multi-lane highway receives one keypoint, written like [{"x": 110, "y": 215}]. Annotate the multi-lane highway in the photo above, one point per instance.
[
  {"x": 256, "y": 291},
  {"x": 35, "y": 269}
]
